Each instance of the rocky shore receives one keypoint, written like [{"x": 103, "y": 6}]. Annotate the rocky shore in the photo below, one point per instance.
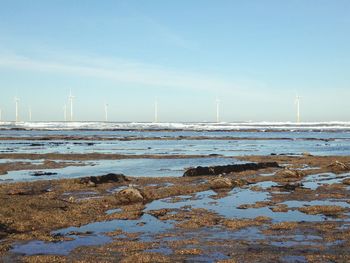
[{"x": 296, "y": 210}]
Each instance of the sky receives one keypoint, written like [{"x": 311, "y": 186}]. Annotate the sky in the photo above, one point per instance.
[{"x": 253, "y": 55}]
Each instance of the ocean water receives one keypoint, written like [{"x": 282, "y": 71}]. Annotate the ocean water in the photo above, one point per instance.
[
  {"x": 129, "y": 167},
  {"x": 235, "y": 142},
  {"x": 316, "y": 138},
  {"x": 188, "y": 126}
]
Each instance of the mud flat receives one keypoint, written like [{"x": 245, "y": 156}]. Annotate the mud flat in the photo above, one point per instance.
[{"x": 297, "y": 212}]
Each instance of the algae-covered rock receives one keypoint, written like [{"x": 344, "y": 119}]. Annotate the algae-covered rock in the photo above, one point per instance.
[
  {"x": 328, "y": 210},
  {"x": 226, "y": 169},
  {"x": 339, "y": 166},
  {"x": 108, "y": 178}
]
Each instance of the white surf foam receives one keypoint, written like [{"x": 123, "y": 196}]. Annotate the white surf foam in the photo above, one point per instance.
[{"x": 202, "y": 126}]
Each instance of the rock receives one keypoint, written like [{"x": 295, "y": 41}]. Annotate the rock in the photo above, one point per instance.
[
  {"x": 5, "y": 231},
  {"x": 36, "y": 144},
  {"x": 327, "y": 210},
  {"x": 29, "y": 190},
  {"x": 146, "y": 257},
  {"x": 20, "y": 191},
  {"x": 339, "y": 166},
  {"x": 306, "y": 154},
  {"x": 3, "y": 171},
  {"x": 346, "y": 181},
  {"x": 189, "y": 251},
  {"x": 220, "y": 182},
  {"x": 77, "y": 233},
  {"x": 291, "y": 186},
  {"x": 108, "y": 178},
  {"x": 287, "y": 173},
  {"x": 239, "y": 182},
  {"x": 91, "y": 184},
  {"x": 216, "y": 170},
  {"x": 42, "y": 173},
  {"x": 130, "y": 195},
  {"x": 159, "y": 213}
]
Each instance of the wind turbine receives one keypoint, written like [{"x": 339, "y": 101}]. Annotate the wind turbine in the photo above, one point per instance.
[
  {"x": 0, "y": 115},
  {"x": 106, "y": 112},
  {"x": 30, "y": 113},
  {"x": 16, "y": 102},
  {"x": 297, "y": 102},
  {"x": 156, "y": 110},
  {"x": 70, "y": 98},
  {"x": 217, "y": 110}
]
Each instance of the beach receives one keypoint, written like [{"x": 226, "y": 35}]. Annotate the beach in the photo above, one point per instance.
[
  {"x": 165, "y": 195},
  {"x": 174, "y": 131}
]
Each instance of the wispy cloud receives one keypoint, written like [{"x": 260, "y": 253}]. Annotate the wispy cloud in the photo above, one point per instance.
[{"x": 120, "y": 71}]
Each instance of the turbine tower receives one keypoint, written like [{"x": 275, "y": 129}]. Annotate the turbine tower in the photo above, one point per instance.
[
  {"x": 156, "y": 111},
  {"x": 217, "y": 110},
  {"x": 30, "y": 113},
  {"x": 297, "y": 102},
  {"x": 0, "y": 115},
  {"x": 70, "y": 98},
  {"x": 106, "y": 112},
  {"x": 16, "y": 102}
]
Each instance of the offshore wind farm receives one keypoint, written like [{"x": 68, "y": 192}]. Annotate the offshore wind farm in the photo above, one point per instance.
[
  {"x": 71, "y": 98},
  {"x": 175, "y": 131},
  {"x": 215, "y": 125}
]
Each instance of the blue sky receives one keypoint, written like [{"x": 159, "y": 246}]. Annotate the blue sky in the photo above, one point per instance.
[{"x": 253, "y": 55}]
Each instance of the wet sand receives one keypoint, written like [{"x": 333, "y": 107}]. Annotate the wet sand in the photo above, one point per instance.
[{"x": 299, "y": 214}]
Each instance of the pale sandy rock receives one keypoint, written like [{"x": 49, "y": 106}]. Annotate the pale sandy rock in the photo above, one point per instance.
[{"x": 130, "y": 195}]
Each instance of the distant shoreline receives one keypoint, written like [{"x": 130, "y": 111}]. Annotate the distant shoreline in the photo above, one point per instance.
[{"x": 179, "y": 126}]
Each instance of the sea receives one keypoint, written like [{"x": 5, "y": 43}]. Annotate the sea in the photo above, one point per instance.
[{"x": 197, "y": 144}]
